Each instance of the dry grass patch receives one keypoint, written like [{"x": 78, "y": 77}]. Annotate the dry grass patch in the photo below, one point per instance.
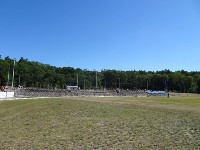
[{"x": 100, "y": 123}]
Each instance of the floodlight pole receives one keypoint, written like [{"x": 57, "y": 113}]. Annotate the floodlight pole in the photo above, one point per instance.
[
  {"x": 19, "y": 80},
  {"x": 8, "y": 75},
  {"x": 166, "y": 86},
  {"x": 96, "y": 79},
  {"x": 77, "y": 79},
  {"x": 84, "y": 83},
  {"x": 166, "y": 82},
  {"x": 13, "y": 74},
  {"x": 119, "y": 83}
]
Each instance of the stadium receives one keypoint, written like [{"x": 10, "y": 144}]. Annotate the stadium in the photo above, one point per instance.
[
  {"x": 99, "y": 75},
  {"x": 102, "y": 116}
]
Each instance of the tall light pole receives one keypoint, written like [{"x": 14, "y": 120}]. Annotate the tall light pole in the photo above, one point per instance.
[
  {"x": 96, "y": 79},
  {"x": 77, "y": 79},
  {"x": 84, "y": 83},
  {"x": 119, "y": 83},
  {"x": 19, "y": 80},
  {"x": 13, "y": 74},
  {"x": 136, "y": 84},
  {"x": 8, "y": 76}
]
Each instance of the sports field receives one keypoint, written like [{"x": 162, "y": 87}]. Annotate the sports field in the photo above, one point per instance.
[{"x": 101, "y": 123}]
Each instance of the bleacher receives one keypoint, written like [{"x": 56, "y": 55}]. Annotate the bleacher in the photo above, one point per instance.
[{"x": 36, "y": 92}]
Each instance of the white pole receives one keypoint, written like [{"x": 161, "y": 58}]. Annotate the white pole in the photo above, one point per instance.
[
  {"x": 96, "y": 79},
  {"x": 8, "y": 76},
  {"x": 13, "y": 73}
]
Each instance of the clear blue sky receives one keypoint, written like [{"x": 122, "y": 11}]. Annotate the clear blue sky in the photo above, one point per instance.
[{"x": 146, "y": 35}]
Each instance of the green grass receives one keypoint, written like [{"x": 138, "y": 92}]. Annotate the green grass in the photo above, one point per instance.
[{"x": 101, "y": 123}]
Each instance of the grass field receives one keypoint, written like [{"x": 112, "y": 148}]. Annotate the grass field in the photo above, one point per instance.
[{"x": 101, "y": 123}]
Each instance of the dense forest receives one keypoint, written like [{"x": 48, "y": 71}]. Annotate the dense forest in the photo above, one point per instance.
[{"x": 36, "y": 74}]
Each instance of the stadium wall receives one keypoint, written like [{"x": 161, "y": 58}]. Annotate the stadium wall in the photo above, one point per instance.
[{"x": 6, "y": 94}]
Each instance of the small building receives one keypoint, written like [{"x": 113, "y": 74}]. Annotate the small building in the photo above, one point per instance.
[{"x": 71, "y": 87}]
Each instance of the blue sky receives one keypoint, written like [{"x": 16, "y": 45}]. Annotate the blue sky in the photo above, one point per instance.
[{"x": 146, "y": 35}]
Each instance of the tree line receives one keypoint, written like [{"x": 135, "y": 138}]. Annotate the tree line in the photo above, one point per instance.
[{"x": 36, "y": 74}]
